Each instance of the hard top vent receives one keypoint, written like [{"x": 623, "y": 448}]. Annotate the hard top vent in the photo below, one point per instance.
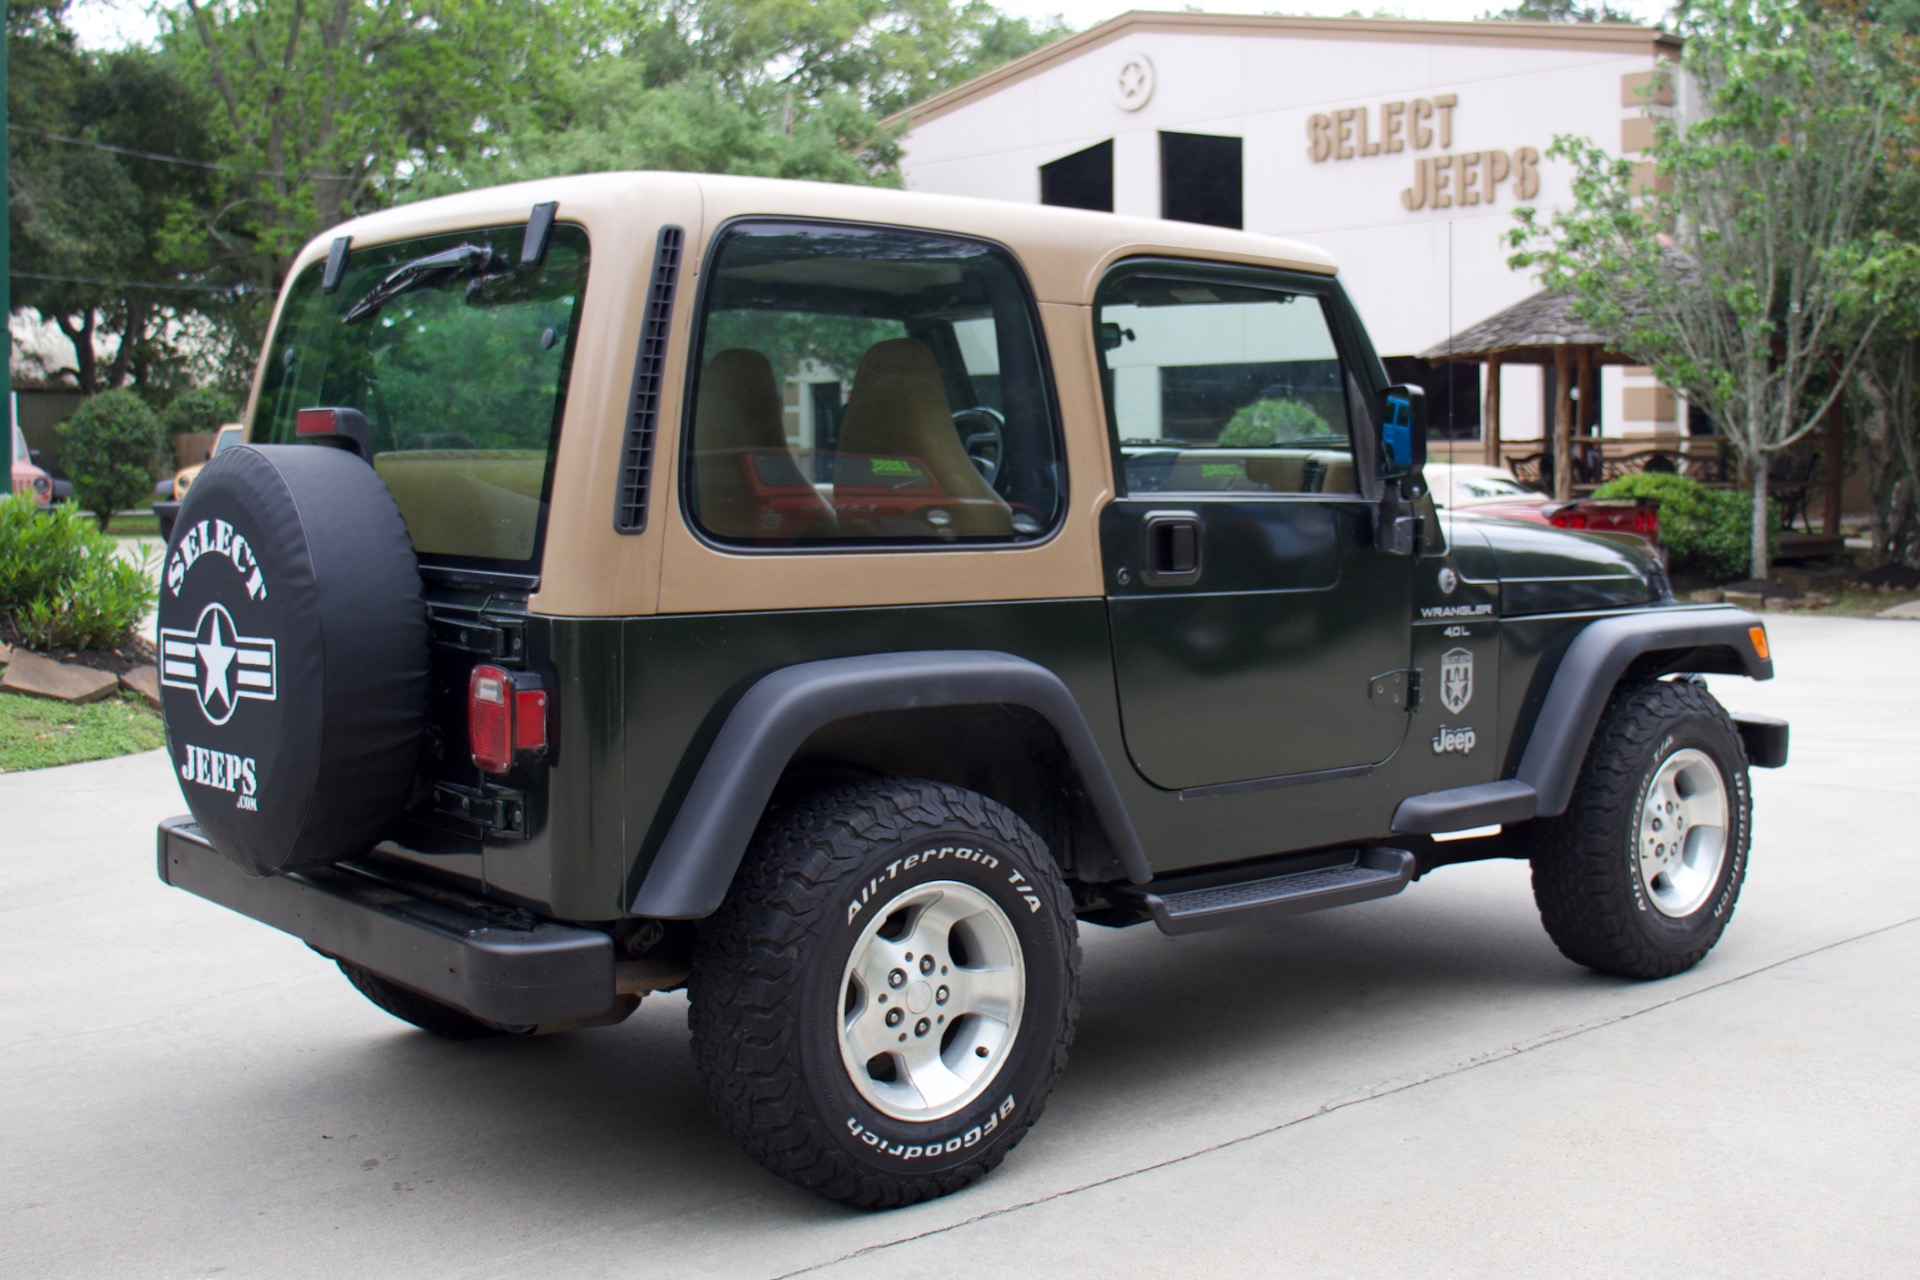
[{"x": 649, "y": 373}]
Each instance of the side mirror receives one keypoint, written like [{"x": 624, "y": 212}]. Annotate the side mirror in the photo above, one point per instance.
[{"x": 1403, "y": 432}]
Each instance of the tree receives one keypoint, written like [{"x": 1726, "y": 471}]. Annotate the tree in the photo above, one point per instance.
[
  {"x": 104, "y": 238},
  {"x": 761, "y": 87},
  {"x": 1560, "y": 11},
  {"x": 1737, "y": 285}
]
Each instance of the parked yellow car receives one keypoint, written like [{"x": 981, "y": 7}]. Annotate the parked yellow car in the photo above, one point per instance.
[
  {"x": 165, "y": 510},
  {"x": 184, "y": 478}
]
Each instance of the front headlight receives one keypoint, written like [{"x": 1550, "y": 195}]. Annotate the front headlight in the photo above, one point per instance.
[{"x": 41, "y": 486}]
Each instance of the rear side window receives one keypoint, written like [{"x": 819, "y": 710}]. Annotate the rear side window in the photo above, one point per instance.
[
  {"x": 1218, "y": 383},
  {"x": 458, "y": 355},
  {"x": 857, "y": 385}
]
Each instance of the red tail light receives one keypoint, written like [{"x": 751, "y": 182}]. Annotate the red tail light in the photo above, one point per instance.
[
  {"x": 506, "y": 717},
  {"x": 1640, "y": 516}
]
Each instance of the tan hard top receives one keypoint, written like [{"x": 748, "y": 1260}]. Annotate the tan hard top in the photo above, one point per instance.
[
  {"x": 592, "y": 571},
  {"x": 1064, "y": 250}
]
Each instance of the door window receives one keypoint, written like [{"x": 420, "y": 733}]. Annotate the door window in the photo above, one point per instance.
[
  {"x": 1216, "y": 385},
  {"x": 868, "y": 384}
]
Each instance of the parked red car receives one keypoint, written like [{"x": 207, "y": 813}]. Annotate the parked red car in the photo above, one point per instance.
[
  {"x": 1490, "y": 491},
  {"x": 28, "y": 478}
]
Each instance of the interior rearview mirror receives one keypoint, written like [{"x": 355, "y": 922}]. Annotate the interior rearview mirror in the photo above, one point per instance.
[{"x": 1403, "y": 431}]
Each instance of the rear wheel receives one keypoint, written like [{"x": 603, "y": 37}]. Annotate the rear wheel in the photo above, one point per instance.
[
  {"x": 1640, "y": 875},
  {"x": 883, "y": 1004}
]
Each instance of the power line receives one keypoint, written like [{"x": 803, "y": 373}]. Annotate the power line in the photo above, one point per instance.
[
  {"x": 131, "y": 284},
  {"x": 166, "y": 159}
]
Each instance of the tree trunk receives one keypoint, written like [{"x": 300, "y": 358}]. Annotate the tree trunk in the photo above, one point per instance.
[{"x": 1760, "y": 567}]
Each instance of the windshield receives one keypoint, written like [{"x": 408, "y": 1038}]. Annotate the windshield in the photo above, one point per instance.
[
  {"x": 227, "y": 436},
  {"x": 461, "y": 373},
  {"x": 20, "y": 453}
]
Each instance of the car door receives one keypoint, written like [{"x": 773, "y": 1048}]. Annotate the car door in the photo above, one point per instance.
[{"x": 1260, "y": 633}]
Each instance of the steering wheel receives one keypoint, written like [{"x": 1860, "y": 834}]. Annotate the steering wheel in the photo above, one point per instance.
[{"x": 982, "y": 433}]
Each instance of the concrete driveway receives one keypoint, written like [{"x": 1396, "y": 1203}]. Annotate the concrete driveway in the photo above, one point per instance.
[{"x": 1419, "y": 1086}]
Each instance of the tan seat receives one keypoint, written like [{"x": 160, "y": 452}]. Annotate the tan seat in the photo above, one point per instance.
[
  {"x": 898, "y": 408},
  {"x": 737, "y": 413}
]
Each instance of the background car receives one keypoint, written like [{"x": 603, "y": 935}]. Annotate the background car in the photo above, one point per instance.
[
  {"x": 167, "y": 496},
  {"x": 1481, "y": 490},
  {"x": 183, "y": 479},
  {"x": 28, "y": 478}
]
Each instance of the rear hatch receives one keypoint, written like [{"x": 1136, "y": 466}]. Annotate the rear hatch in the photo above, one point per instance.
[{"x": 457, "y": 353}]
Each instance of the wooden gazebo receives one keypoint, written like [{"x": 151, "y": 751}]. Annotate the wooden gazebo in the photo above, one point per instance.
[{"x": 1540, "y": 330}]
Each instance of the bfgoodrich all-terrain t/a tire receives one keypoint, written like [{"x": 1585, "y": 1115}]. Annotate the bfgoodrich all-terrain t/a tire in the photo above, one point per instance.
[
  {"x": 1640, "y": 875},
  {"x": 883, "y": 1004}
]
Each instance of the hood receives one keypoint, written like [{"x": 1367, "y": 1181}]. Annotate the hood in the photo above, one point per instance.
[{"x": 1542, "y": 569}]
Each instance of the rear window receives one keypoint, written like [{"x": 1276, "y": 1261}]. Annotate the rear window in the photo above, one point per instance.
[{"x": 458, "y": 356}]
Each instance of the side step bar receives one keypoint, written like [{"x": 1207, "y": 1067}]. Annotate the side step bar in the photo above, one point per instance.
[{"x": 1371, "y": 873}]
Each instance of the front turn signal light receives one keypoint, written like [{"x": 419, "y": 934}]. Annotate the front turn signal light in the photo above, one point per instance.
[{"x": 1759, "y": 637}]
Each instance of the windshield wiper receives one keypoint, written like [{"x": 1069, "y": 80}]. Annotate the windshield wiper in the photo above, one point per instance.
[{"x": 431, "y": 269}]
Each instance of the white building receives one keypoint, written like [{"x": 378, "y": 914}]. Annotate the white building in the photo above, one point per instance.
[{"x": 1401, "y": 147}]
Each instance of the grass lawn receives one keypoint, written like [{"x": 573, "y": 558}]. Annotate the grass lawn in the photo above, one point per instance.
[
  {"x": 144, "y": 525},
  {"x": 38, "y": 732}
]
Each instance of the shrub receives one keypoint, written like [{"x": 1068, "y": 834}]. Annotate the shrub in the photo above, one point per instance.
[
  {"x": 63, "y": 583},
  {"x": 1266, "y": 422},
  {"x": 201, "y": 409},
  {"x": 1705, "y": 531},
  {"x": 110, "y": 445}
]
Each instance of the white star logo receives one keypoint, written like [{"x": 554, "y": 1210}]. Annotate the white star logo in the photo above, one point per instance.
[{"x": 216, "y": 659}]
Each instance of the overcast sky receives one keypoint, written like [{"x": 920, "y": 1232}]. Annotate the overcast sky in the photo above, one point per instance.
[{"x": 110, "y": 23}]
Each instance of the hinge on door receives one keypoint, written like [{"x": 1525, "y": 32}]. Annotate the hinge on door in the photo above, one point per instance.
[
  {"x": 1395, "y": 690},
  {"x": 499, "y": 811}
]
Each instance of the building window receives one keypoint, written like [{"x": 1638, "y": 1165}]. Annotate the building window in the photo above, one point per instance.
[
  {"x": 869, "y": 384},
  {"x": 1200, "y": 179},
  {"x": 1083, "y": 180}
]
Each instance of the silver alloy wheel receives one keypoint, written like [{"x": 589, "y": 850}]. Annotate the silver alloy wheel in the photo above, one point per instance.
[
  {"x": 931, "y": 1001},
  {"x": 1683, "y": 833}
]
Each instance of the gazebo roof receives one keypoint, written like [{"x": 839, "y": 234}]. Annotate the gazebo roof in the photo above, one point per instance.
[{"x": 1534, "y": 330}]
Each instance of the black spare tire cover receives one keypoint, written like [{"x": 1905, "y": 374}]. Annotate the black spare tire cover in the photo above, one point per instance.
[{"x": 293, "y": 656}]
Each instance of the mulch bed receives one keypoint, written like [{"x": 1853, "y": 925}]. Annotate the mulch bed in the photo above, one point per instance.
[
  {"x": 137, "y": 652},
  {"x": 1892, "y": 577}
]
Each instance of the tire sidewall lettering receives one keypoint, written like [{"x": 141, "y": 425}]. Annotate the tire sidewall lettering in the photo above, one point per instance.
[
  {"x": 1732, "y": 871},
  {"x": 999, "y": 872}
]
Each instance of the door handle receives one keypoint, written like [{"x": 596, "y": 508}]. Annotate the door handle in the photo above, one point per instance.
[{"x": 1171, "y": 556}]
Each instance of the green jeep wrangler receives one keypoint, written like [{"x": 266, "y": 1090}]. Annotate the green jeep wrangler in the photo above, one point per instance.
[{"x": 824, "y": 599}]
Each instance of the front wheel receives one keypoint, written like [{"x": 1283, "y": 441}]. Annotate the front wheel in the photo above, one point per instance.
[
  {"x": 883, "y": 1004},
  {"x": 1640, "y": 875}
]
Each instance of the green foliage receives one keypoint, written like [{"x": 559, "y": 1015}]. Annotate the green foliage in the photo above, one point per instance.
[
  {"x": 200, "y": 409},
  {"x": 109, "y": 445},
  {"x": 1272, "y": 421},
  {"x": 1758, "y": 276},
  {"x": 1560, "y": 11},
  {"x": 63, "y": 583},
  {"x": 1704, "y": 530},
  {"x": 91, "y": 217}
]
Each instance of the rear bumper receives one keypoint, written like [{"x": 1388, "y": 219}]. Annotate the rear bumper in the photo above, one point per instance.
[{"x": 497, "y": 964}]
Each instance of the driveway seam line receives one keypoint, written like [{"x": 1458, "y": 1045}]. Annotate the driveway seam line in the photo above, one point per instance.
[{"x": 1388, "y": 1090}]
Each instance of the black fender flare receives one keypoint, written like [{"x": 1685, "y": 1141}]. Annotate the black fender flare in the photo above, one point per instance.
[
  {"x": 715, "y": 822},
  {"x": 1709, "y": 638}
]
